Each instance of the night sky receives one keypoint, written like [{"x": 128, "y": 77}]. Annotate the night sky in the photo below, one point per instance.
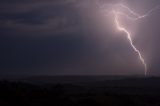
[{"x": 75, "y": 37}]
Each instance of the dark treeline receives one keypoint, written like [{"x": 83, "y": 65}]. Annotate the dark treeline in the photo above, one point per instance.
[{"x": 26, "y": 94}]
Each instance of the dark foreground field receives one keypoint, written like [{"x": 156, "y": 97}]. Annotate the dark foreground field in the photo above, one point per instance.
[{"x": 80, "y": 91}]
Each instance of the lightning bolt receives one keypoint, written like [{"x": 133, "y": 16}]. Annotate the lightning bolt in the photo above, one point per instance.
[
  {"x": 135, "y": 17},
  {"x": 119, "y": 27}
]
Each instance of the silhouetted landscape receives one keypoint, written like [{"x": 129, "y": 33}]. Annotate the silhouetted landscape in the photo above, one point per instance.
[{"x": 80, "y": 91}]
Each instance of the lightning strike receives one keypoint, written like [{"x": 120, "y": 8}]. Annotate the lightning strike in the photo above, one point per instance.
[
  {"x": 135, "y": 16},
  {"x": 119, "y": 27}
]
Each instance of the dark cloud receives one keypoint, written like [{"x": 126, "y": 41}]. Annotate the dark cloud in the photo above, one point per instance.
[
  {"x": 73, "y": 37},
  {"x": 39, "y": 16}
]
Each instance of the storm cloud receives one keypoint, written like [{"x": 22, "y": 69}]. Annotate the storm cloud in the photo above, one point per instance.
[{"x": 73, "y": 37}]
